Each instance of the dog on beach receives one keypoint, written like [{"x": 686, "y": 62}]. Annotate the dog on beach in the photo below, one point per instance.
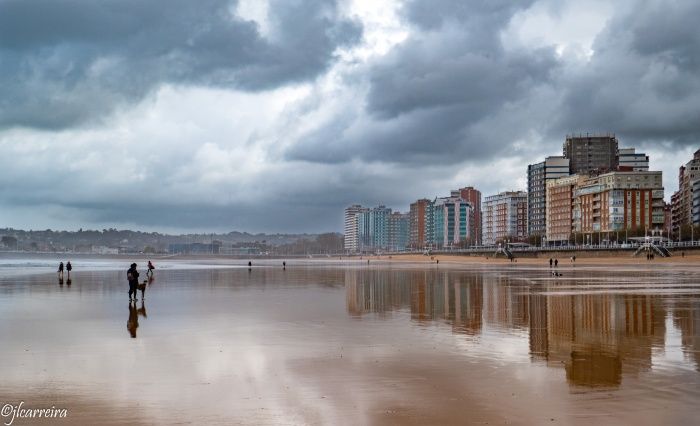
[{"x": 142, "y": 287}]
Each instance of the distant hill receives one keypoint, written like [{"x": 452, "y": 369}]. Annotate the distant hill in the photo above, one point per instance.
[{"x": 87, "y": 240}]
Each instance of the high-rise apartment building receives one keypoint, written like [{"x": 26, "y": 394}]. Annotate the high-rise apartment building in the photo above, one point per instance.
[
  {"x": 683, "y": 200},
  {"x": 473, "y": 197},
  {"x": 696, "y": 202},
  {"x": 676, "y": 210},
  {"x": 420, "y": 223},
  {"x": 352, "y": 213},
  {"x": 398, "y": 231},
  {"x": 620, "y": 200},
  {"x": 560, "y": 208},
  {"x": 538, "y": 175},
  {"x": 630, "y": 160},
  {"x": 591, "y": 153},
  {"x": 373, "y": 229},
  {"x": 451, "y": 220},
  {"x": 505, "y": 217}
]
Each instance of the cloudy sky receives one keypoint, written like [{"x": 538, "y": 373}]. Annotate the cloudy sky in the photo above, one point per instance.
[{"x": 273, "y": 115}]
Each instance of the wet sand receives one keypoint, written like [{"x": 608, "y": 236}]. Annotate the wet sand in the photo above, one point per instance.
[{"x": 328, "y": 342}]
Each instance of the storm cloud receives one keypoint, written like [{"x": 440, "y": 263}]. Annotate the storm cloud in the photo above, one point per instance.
[
  {"x": 63, "y": 62},
  {"x": 209, "y": 116}
]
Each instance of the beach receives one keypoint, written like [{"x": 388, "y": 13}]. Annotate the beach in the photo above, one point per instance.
[
  {"x": 689, "y": 258},
  {"x": 399, "y": 341}
]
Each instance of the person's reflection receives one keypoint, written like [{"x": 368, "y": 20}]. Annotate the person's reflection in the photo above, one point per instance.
[
  {"x": 60, "y": 281},
  {"x": 69, "y": 281},
  {"x": 133, "y": 322}
]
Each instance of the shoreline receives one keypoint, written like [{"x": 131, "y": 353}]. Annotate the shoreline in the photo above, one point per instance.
[
  {"x": 564, "y": 259},
  {"x": 606, "y": 259}
]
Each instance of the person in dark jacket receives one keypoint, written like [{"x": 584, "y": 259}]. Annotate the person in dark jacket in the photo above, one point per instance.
[
  {"x": 69, "y": 268},
  {"x": 133, "y": 276},
  {"x": 60, "y": 271}
]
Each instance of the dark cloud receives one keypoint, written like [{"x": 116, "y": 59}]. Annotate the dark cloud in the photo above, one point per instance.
[
  {"x": 643, "y": 80},
  {"x": 427, "y": 98},
  {"x": 66, "y": 61},
  {"x": 478, "y": 17},
  {"x": 453, "y": 92},
  {"x": 455, "y": 103}
]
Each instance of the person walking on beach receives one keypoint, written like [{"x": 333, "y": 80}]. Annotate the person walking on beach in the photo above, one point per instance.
[
  {"x": 133, "y": 276},
  {"x": 556, "y": 263},
  {"x": 149, "y": 273},
  {"x": 69, "y": 268},
  {"x": 550, "y": 262},
  {"x": 284, "y": 265},
  {"x": 60, "y": 270}
]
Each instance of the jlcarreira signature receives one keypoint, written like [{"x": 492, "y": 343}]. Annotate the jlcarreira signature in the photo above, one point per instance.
[{"x": 10, "y": 412}]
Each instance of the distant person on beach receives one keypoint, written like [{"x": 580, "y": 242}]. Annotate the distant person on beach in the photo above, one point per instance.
[
  {"x": 284, "y": 265},
  {"x": 550, "y": 262},
  {"x": 556, "y": 263},
  {"x": 69, "y": 268},
  {"x": 149, "y": 273},
  {"x": 133, "y": 276},
  {"x": 250, "y": 264},
  {"x": 60, "y": 270}
]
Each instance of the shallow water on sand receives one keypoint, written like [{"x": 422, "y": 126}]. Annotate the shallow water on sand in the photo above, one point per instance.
[{"x": 356, "y": 344}]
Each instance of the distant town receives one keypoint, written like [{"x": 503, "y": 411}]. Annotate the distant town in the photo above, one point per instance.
[
  {"x": 114, "y": 242},
  {"x": 595, "y": 193}
]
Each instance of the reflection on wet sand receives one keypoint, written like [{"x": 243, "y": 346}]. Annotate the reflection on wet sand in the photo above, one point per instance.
[
  {"x": 687, "y": 319},
  {"x": 597, "y": 338},
  {"x": 133, "y": 322},
  {"x": 357, "y": 345}
]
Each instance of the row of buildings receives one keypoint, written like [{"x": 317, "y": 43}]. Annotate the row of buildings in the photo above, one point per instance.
[
  {"x": 594, "y": 189},
  {"x": 685, "y": 203},
  {"x": 604, "y": 193},
  {"x": 445, "y": 221},
  {"x": 455, "y": 221}
]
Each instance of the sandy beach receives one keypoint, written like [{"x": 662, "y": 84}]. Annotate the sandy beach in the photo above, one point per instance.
[
  {"x": 398, "y": 341},
  {"x": 582, "y": 258}
]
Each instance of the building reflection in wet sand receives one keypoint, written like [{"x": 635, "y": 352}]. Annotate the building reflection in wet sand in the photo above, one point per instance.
[{"x": 598, "y": 338}]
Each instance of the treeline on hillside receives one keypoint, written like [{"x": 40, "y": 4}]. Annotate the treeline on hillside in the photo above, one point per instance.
[{"x": 83, "y": 240}]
